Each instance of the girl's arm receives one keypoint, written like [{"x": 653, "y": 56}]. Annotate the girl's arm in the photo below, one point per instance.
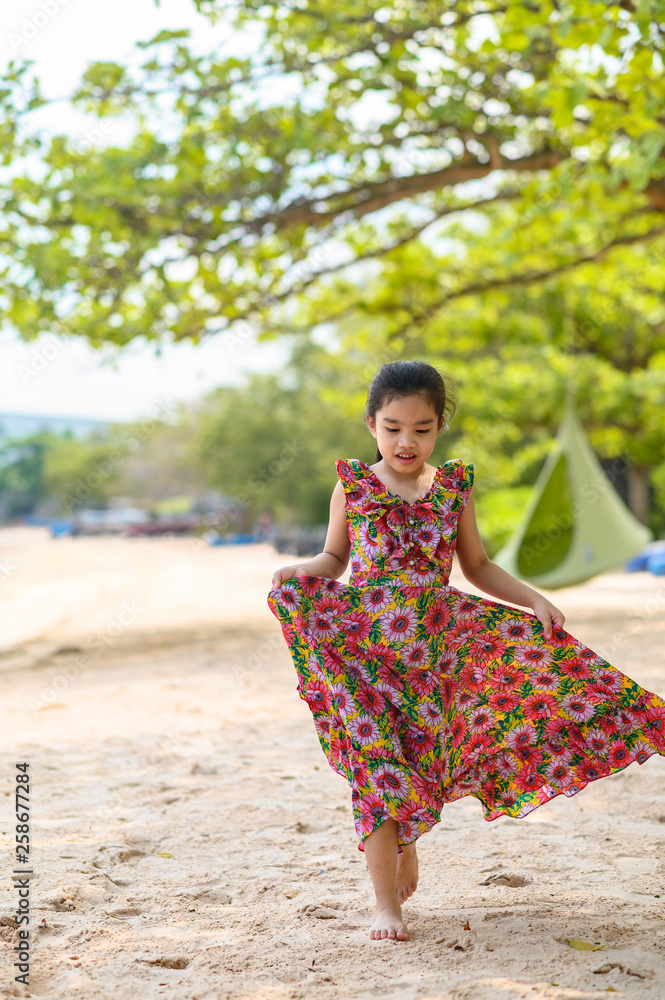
[
  {"x": 480, "y": 571},
  {"x": 334, "y": 559}
]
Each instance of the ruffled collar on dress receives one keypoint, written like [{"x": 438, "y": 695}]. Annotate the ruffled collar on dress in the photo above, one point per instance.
[{"x": 370, "y": 489}]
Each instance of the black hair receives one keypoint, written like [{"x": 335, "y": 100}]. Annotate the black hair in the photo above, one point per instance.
[{"x": 409, "y": 378}]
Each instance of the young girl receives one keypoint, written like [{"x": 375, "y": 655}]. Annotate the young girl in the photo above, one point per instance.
[{"x": 422, "y": 693}]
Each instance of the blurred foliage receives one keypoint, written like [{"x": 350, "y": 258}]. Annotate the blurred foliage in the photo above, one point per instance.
[
  {"x": 271, "y": 443},
  {"x": 22, "y": 484},
  {"x": 447, "y": 149}
]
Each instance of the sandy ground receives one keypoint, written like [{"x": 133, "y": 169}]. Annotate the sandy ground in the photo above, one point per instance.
[{"x": 190, "y": 841}]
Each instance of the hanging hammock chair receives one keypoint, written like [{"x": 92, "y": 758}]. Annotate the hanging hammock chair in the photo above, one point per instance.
[{"x": 575, "y": 524}]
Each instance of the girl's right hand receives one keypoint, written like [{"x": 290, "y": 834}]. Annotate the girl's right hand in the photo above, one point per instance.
[{"x": 285, "y": 573}]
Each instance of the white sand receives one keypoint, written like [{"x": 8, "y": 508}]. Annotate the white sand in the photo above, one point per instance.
[{"x": 150, "y": 689}]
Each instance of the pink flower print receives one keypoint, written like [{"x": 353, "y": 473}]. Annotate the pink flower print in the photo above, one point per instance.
[
  {"x": 420, "y": 574},
  {"x": 358, "y": 767},
  {"x": 577, "y": 707},
  {"x": 372, "y": 808},
  {"x": 447, "y": 664},
  {"x": 558, "y": 748},
  {"x": 472, "y": 676},
  {"x": 521, "y": 736},
  {"x": 384, "y": 657},
  {"x": 427, "y": 538},
  {"x": 463, "y": 630},
  {"x": 370, "y": 699},
  {"x": 389, "y": 779},
  {"x": 356, "y": 624},
  {"x": 560, "y": 637},
  {"x": 466, "y": 700},
  {"x": 619, "y": 754},
  {"x": 413, "y": 812},
  {"x": 560, "y": 774},
  {"x": 422, "y": 679},
  {"x": 515, "y": 630},
  {"x": 390, "y": 693},
  {"x": 504, "y": 764},
  {"x": 557, "y": 727},
  {"x": 626, "y": 721},
  {"x": 416, "y": 654},
  {"x": 588, "y": 771},
  {"x": 330, "y": 605},
  {"x": 341, "y": 699},
  {"x": 504, "y": 701},
  {"x": 466, "y": 606},
  {"x": 608, "y": 724},
  {"x": 317, "y": 695},
  {"x": 399, "y": 624},
  {"x": 458, "y": 732},
  {"x": 655, "y": 726},
  {"x": 546, "y": 679},
  {"x": 369, "y": 543},
  {"x": 539, "y": 706},
  {"x": 533, "y": 655},
  {"x": 322, "y": 627},
  {"x": 655, "y": 715},
  {"x": 507, "y": 677},
  {"x": 598, "y": 741},
  {"x": 608, "y": 682},
  {"x": 378, "y": 599},
  {"x": 587, "y": 654},
  {"x": 419, "y": 740},
  {"x": 477, "y": 744},
  {"x": 288, "y": 595},
  {"x": 578, "y": 669},
  {"x": 437, "y": 618},
  {"x": 332, "y": 659},
  {"x": 359, "y": 670},
  {"x": 481, "y": 718},
  {"x": 427, "y": 790},
  {"x": 531, "y": 755},
  {"x": 430, "y": 713},
  {"x": 309, "y": 585},
  {"x": 527, "y": 779},
  {"x": 484, "y": 649},
  {"x": 322, "y": 724},
  {"x": 364, "y": 729},
  {"x": 642, "y": 751}
]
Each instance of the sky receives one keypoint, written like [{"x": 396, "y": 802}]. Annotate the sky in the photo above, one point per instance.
[{"x": 53, "y": 376}]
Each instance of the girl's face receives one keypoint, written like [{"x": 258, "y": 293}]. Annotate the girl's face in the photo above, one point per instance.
[{"x": 406, "y": 430}]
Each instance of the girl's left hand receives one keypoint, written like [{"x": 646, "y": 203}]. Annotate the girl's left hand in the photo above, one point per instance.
[{"x": 550, "y": 616}]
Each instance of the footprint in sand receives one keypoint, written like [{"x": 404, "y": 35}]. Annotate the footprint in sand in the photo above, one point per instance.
[{"x": 512, "y": 879}]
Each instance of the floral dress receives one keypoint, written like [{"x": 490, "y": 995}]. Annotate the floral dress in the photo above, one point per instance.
[{"x": 421, "y": 693}]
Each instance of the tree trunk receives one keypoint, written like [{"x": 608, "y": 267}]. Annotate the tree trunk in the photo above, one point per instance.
[{"x": 638, "y": 491}]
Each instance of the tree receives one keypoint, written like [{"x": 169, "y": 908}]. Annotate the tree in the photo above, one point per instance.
[
  {"x": 410, "y": 123},
  {"x": 22, "y": 485}
]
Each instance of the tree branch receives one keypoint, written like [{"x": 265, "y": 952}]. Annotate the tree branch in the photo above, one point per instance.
[{"x": 522, "y": 279}]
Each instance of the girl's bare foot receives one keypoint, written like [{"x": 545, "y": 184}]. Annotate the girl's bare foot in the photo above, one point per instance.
[
  {"x": 388, "y": 923},
  {"x": 406, "y": 881}
]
